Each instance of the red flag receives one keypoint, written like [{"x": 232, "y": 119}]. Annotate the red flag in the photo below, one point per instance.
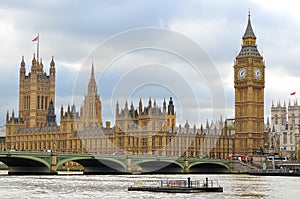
[
  {"x": 36, "y": 38},
  {"x": 293, "y": 93}
]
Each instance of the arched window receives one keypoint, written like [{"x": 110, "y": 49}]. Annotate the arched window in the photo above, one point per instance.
[
  {"x": 38, "y": 102},
  {"x": 46, "y": 102},
  {"x": 42, "y": 102},
  {"x": 276, "y": 119}
]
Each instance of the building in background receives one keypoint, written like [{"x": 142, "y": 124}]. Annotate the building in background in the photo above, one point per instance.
[{"x": 285, "y": 132}]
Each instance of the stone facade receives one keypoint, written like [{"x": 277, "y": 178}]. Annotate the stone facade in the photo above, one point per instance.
[{"x": 285, "y": 132}]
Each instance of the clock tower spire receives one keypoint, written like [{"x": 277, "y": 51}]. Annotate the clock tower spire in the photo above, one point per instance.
[{"x": 249, "y": 84}]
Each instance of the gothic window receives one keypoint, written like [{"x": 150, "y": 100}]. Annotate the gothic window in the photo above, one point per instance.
[
  {"x": 42, "y": 102},
  {"x": 293, "y": 119},
  {"x": 276, "y": 119},
  {"x": 46, "y": 102},
  {"x": 144, "y": 141},
  {"x": 38, "y": 102},
  {"x": 284, "y": 138},
  {"x": 160, "y": 141},
  {"x": 291, "y": 137},
  {"x": 282, "y": 120}
]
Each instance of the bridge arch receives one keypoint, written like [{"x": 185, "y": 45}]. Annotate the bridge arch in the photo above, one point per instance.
[
  {"x": 158, "y": 166},
  {"x": 26, "y": 164},
  {"x": 208, "y": 167},
  {"x": 94, "y": 165}
]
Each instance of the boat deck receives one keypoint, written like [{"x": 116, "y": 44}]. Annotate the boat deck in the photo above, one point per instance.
[{"x": 177, "y": 186}]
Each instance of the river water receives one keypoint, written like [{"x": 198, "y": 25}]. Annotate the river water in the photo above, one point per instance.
[{"x": 115, "y": 186}]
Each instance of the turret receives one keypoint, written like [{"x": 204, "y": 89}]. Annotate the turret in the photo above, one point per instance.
[
  {"x": 52, "y": 67},
  {"x": 150, "y": 103},
  {"x": 171, "y": 107},
  {"x": 92, "y": 87},
  {"x": 126, "y": 107},
  {"x": 207, "y": 124},
  {"x": 51, "y": 117},
  {"x": 164, "y": 106},
  {"x": 61, "y": 111},
  {"x": 154, "y": 103},
  {"x": 34, "y": 64},
  {"x": 22, "y": 68},
  {"x": 40, "y": 66},
  {"x": 7, "y": 116},
  {"x": 117, "y": 108},
  {"x": 268, "y": 123},
  {"x": 140, "y": 106},
  {"x": 171, "y": 116}
]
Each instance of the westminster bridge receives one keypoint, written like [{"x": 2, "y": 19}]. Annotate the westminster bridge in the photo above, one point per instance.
[{"x": 25, "y": 162}]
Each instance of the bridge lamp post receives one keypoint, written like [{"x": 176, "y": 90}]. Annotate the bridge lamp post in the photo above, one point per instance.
[
  {"x": 54, "y": 146},
  {"x": 12, "y": 146},
  {"x": 128, "y": 149}
]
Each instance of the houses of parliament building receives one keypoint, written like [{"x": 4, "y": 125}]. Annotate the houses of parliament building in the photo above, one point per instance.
[{"x": 145, "y": 129}]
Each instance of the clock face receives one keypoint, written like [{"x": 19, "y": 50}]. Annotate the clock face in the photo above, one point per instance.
[
  {"x": 257, "y": 73},
  {"x": 242, "y": 73}
]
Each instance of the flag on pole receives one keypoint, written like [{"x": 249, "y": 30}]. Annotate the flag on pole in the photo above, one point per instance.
[
  {"x": 293, "y": 93},
  {"x": 36, "y": 38},
  {"x": 37, "y": 45}
]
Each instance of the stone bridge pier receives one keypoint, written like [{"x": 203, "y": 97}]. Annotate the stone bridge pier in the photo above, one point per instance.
[
  {"x": 128, "y": 164},
  {"x": 186, "y": 168},
  {"x": 53, "y": 163}
]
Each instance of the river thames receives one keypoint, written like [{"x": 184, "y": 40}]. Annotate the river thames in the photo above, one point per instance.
[{"x": 115, "y": 186}]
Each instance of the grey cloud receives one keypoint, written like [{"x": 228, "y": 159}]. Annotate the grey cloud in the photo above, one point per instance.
[{"x": 70, "y": 30}]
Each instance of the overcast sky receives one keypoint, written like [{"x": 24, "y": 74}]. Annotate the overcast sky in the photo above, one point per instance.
[{"x": 74, "y": 31}]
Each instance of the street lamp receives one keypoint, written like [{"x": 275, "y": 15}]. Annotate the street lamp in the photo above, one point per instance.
[{"x": 54, "y": 146}]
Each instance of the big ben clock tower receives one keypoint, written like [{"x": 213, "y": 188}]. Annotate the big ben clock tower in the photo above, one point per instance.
[{"x": 249, "y": 84}]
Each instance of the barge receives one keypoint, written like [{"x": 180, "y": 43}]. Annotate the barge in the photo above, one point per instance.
[{"x": 177, "y": 186}]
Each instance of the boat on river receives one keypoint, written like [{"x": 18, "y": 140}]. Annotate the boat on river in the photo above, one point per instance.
[{"x": 177, "y": 186}]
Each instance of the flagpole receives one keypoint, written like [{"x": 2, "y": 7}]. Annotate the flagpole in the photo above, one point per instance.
[{"x": 37, "y": 47}]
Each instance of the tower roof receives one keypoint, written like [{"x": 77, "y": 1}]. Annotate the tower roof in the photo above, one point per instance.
[
  {"x": 249, "y": 31},
  {"x": 249, "y": 48}
]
